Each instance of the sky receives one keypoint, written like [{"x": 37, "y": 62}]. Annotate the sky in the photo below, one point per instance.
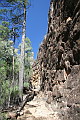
[{"x": 37, "y": 22}]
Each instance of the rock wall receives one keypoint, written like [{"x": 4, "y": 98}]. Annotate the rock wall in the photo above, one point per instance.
[
  {"x": 35, "y": 79},
  {"x": 59, "y": 59}
]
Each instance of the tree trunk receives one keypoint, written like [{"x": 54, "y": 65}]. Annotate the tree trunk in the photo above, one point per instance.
[
  {"x": 21, "y": 70},
  {"x": 13, "y": 71}
]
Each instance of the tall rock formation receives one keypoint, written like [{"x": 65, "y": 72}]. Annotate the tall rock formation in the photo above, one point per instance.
[{"x": 59, "y": 59}]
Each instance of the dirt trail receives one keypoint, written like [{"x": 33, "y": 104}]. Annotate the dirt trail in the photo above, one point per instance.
[{"x": 38, "y": 109}]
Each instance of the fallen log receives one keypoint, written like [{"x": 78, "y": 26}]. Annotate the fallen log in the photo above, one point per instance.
[
  {"x": 28, "y": 98},
  {"x": 14, "y": 115}
]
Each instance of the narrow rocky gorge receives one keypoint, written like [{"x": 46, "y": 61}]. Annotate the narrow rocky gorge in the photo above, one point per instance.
[{"x": 56, "y": 72}]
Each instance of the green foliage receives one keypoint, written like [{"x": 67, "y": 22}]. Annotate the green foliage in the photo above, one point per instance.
[
  {"x": 2, "y": 116},
  {"x": 2, "y": 11},
  {"x": 26, "y": 84},
  {"x": 9, "y": 31},
  {"x": 12, "y": 1},
  {"x": 5, "y": 24},
  {"x": 14, "y": 93},
  {"x": 28, "y": 47},
  {"x": 4, "y": 91},
  {"x": 15, "y": 90},
  {"x": 4, "y": 32},
  {"x": 5, "y": 62}
]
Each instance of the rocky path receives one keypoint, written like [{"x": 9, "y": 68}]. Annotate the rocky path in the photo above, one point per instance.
[{"x": 38, "y": 109}]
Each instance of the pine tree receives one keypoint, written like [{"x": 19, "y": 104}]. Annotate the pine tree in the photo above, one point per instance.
[
  {"x": 5, "y": 62},
  {"x": 15, "y": 13}
]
